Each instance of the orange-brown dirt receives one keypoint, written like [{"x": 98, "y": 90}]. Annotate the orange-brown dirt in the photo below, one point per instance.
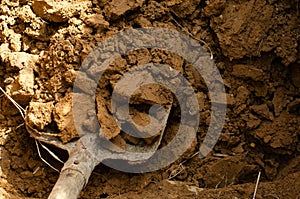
[{"x": 255, "y": 46}]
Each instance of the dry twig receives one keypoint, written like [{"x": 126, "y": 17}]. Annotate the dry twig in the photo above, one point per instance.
[
  {"x": 256, "y": 186},
  {"x": 23, "y": 113}
]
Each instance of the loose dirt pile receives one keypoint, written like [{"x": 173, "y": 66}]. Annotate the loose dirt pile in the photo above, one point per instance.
[{"x": 256, "y": 49}]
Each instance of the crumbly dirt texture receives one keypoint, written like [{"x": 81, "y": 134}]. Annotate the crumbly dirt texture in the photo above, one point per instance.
[{"x": 256, "y": 49}]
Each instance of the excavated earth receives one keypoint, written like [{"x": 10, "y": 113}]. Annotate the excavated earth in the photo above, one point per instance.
[{"x": 255, "y": 45}]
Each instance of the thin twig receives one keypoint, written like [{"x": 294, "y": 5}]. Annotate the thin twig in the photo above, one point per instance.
[
  {"x": 23, "y": 112},
  {"x": 177, "y": 171},
  {"x": 180, "y": 167},
  {"x": 51, "y": 153},
  {"x": 20, "y": 125},
  {"x": 217, "y": 185},
  {"x": 219, "y": 194},
  {"x": 274, "y": 196},
  {"x": 36, "y": 170},
  {"x": 19, "y": 107},
  {"x": 38, "y": 150},
  {"x": 256, "y": 186}
]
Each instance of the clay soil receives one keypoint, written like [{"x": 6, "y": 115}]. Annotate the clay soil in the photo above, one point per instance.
[{"x": 256, "y": 48}]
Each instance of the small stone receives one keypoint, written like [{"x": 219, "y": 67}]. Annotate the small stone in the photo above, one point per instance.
[
  {"x": 4, "y": 52},
  {"x": 22, "y": 88},
  {"x": 143, "y": 22},
  {"x": 117, "y": 8},
  {"x": 267, "y": 138},
  {"x": 262, "y": 110},
  {"x": 26, "y": 174},
  {"x": 242, "y": 94},
  {"x": 253, "y": 124},
  {"x": 279, "y": 100},
  {"x": 97, "y": 21},
  {"x": 20, "y": 60},
  {"x": 39, "y": 114},
  {"x": 26, "y": 80},
  {"x": 58, "y": 11},
  {"x": 248, "y": 71}
]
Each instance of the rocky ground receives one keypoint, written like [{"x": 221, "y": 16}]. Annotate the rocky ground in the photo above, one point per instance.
[{"x": 256, "y": 49}]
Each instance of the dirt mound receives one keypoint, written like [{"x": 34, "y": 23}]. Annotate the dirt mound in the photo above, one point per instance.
[{"x": 256, "y": 49}]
